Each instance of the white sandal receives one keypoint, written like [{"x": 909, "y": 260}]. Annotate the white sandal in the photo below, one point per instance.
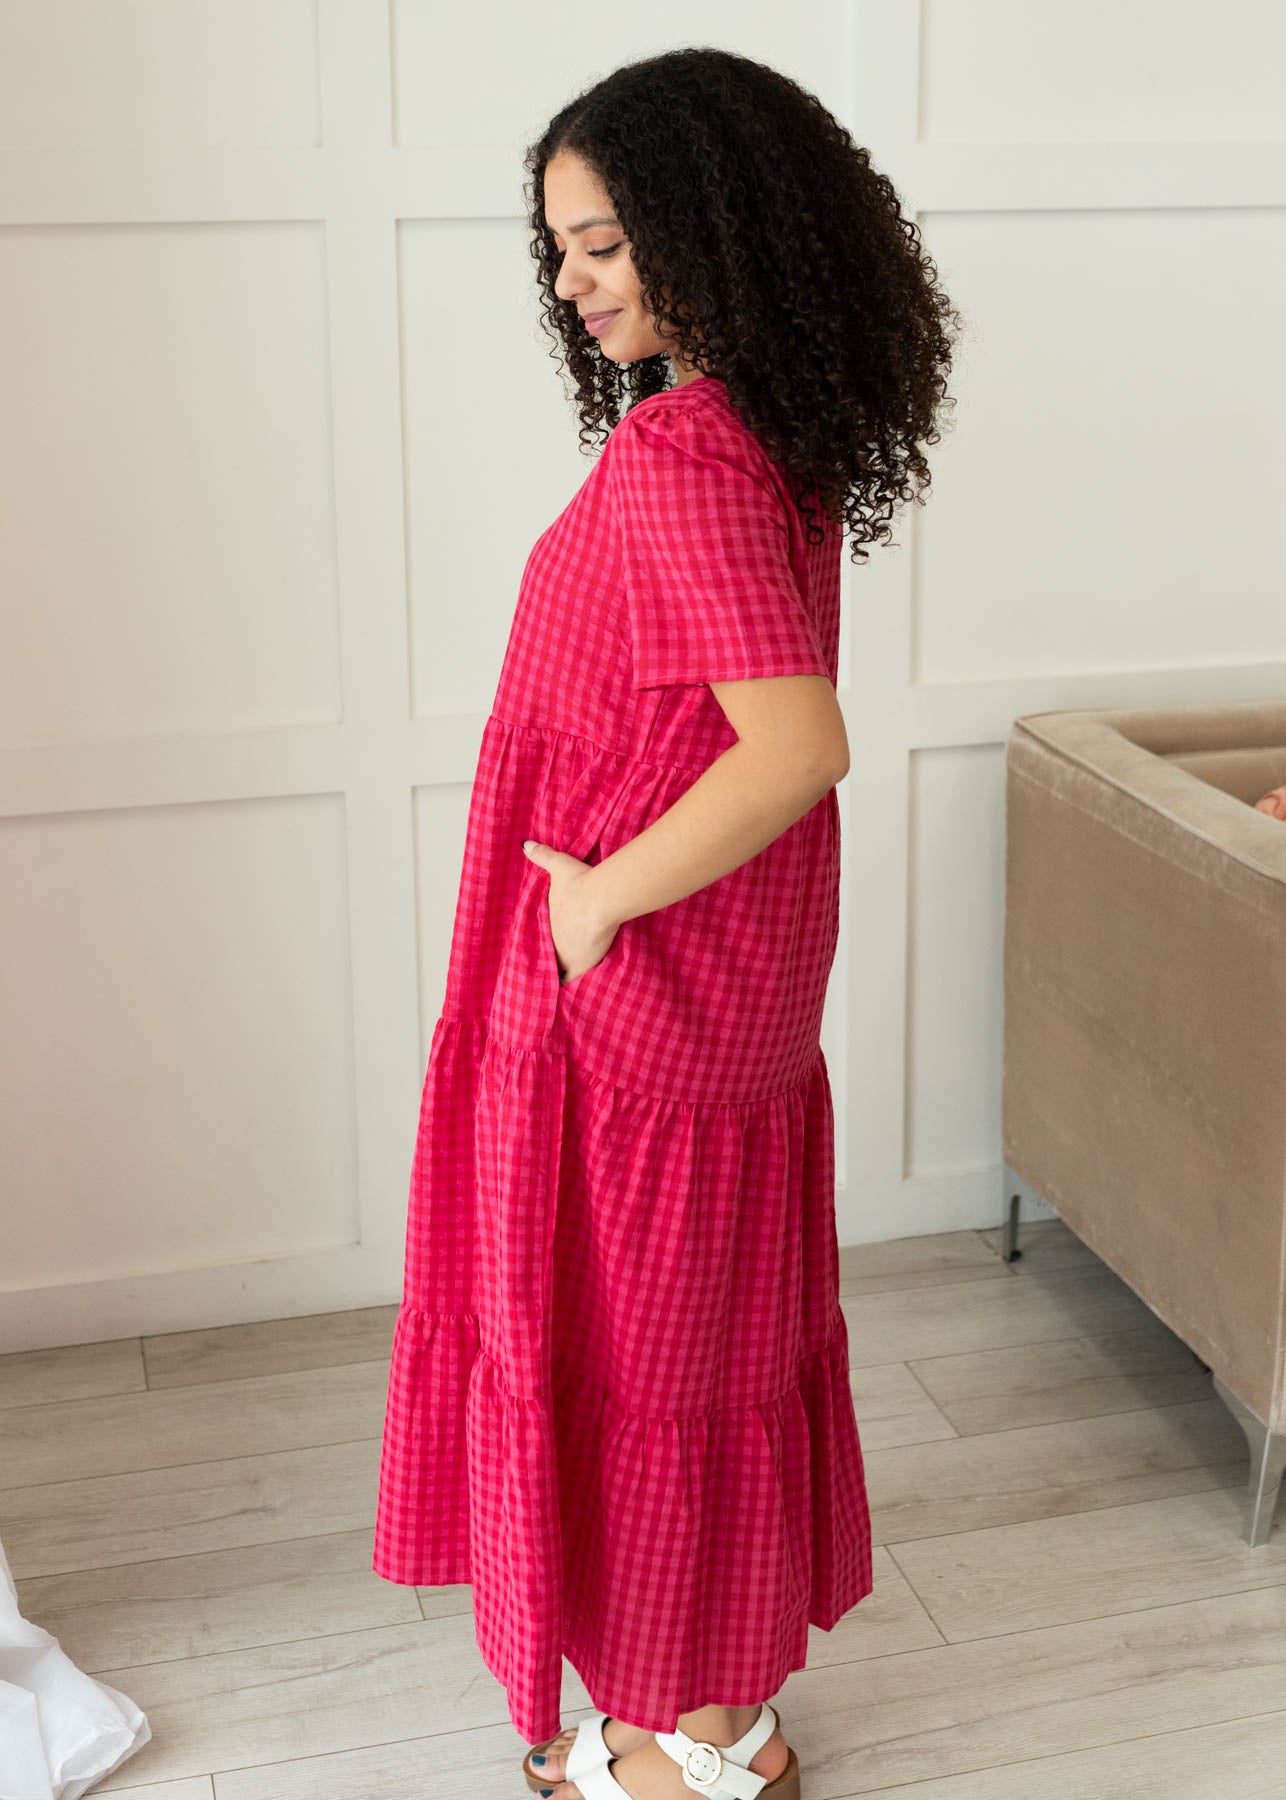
[
  {"x": 589, "y": 1751},
  {"x": 717, "y": 1772}
]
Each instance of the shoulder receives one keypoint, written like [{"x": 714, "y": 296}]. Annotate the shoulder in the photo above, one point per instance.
[
  {"x": 698, "y": 407},
  {"x": 687, "y": 427}
]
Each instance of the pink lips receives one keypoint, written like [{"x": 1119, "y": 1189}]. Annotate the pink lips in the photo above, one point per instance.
[{"x": 597, "y": 323}]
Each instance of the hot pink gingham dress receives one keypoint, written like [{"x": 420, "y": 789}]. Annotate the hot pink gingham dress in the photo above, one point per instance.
[{"x": 619, "y": 1399}]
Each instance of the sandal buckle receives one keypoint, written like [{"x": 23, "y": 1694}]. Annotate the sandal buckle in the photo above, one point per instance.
[{"x": 703, "y": 1765}]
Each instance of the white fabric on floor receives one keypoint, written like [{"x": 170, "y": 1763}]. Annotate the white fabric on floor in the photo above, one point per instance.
[{"x": 60, "y": 1729}]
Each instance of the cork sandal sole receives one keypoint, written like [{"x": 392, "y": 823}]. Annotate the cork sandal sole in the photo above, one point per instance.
[{"x": 786, "y": 1785}]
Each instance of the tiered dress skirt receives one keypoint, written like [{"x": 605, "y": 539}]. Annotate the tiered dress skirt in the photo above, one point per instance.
[{"x": 619, "y": 1400}]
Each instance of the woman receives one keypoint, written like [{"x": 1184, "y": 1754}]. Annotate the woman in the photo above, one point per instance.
[{"x": 619, "y": 1401}]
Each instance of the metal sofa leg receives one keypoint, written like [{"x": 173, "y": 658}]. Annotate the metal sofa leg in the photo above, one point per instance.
[
  {"x": 1012, "y": 1197},
  {"x": 1267, "y": 1466}
]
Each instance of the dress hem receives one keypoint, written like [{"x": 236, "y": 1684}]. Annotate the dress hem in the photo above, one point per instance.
[{"x": 806, "y": 1478}]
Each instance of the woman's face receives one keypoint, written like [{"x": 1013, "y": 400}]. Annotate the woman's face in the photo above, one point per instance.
[{"x": 596, "y": 274}]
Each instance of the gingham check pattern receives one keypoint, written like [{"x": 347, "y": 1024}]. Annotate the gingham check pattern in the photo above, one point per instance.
[{"x": 619, "y": 1402}]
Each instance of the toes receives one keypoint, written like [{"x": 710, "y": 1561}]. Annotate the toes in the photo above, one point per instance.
[{"x": 551, "y": 1771}]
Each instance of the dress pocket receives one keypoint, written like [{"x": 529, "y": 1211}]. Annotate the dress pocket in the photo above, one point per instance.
[{"x": 547, "y": 931}]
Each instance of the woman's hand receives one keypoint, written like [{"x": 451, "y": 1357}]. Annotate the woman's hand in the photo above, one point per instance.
[{"x": 580, "y": 936}]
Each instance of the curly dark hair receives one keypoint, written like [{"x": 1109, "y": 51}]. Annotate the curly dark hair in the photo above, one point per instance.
[{"x": 792, "y": 275}]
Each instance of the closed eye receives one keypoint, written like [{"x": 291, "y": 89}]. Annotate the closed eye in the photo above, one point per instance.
[{"x": 610, "y": 251}]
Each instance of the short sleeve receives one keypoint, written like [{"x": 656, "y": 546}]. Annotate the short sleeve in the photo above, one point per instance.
[{"x": 709, "y": 589}]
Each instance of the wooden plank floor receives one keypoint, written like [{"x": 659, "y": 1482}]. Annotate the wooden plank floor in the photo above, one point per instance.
[{"x": 1064, "y": 1606}]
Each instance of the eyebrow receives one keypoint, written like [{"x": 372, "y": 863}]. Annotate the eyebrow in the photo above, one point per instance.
[{"x": 588, "y": 224}]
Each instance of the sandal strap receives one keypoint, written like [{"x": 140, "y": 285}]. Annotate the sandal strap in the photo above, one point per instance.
[
  {"x": 718, "y": 1772},
  {"x": 598, "y": 1782},
  {"x": 589, "y": 1748}
]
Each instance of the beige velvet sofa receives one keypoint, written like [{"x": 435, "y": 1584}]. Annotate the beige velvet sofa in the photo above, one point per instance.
[{"x": 1144, "y": 1084}]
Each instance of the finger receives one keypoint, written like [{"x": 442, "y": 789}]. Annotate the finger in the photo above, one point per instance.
[{"x": 547, "y": 856}]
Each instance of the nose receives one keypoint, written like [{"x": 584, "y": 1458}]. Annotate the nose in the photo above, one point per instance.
[{"x": 571, "y": 280}]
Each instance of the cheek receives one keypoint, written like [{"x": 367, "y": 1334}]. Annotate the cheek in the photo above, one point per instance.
[{"x": 626, "y": 282}]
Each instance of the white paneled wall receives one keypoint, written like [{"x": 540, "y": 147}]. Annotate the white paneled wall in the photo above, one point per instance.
[{"x": 281, "y": 429}]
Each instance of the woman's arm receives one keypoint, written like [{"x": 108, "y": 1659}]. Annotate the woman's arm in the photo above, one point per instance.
[{"x": 791, "y": 749}]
